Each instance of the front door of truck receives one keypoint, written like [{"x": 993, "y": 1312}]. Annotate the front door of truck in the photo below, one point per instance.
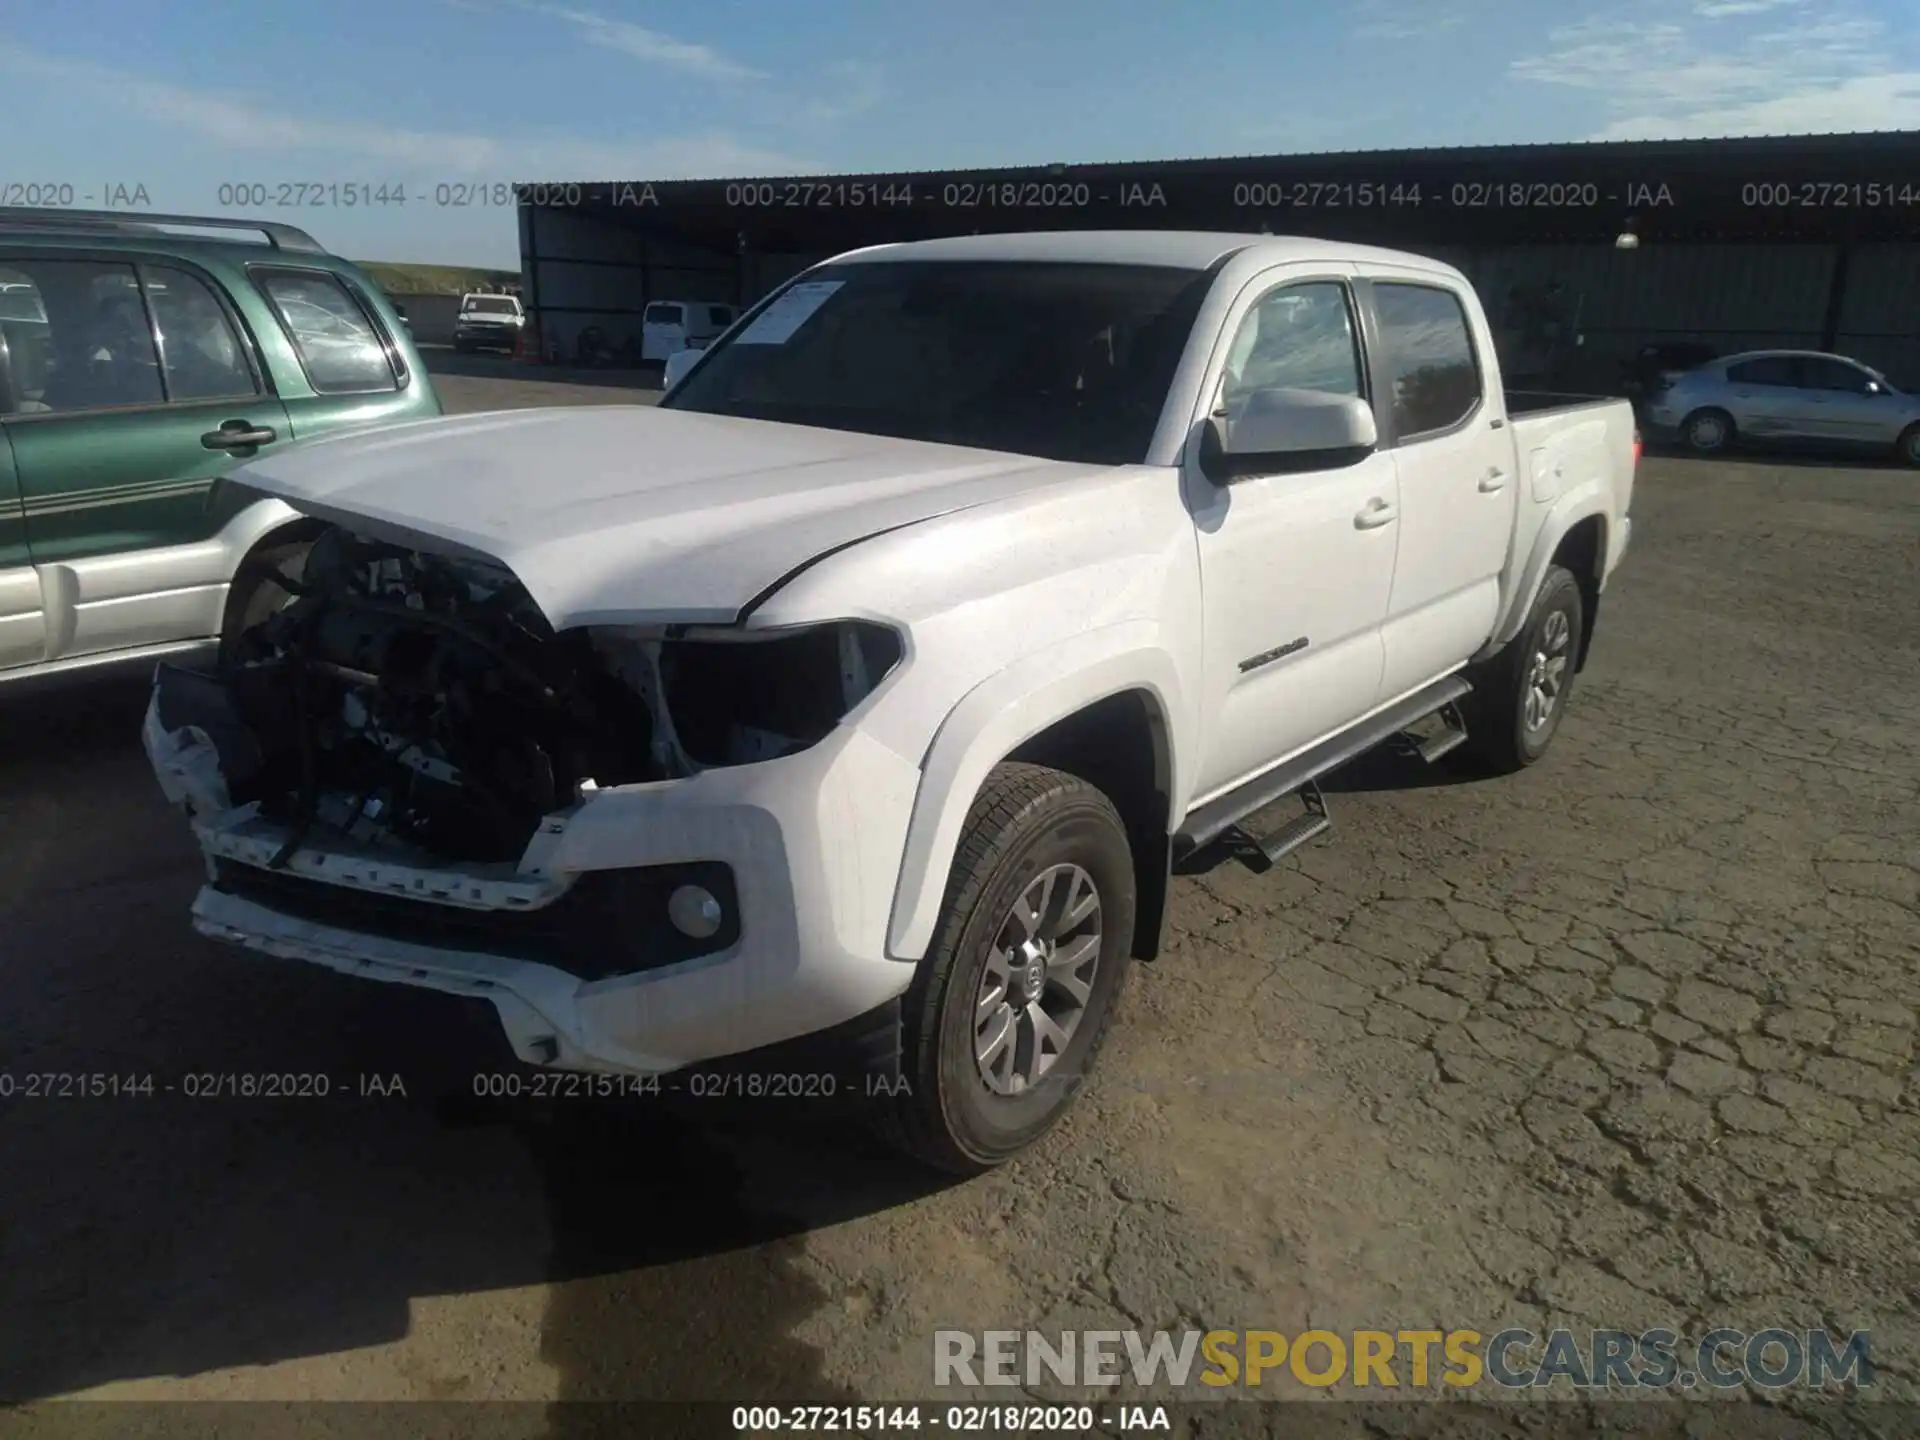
[{"x": 1296, "y": 568}]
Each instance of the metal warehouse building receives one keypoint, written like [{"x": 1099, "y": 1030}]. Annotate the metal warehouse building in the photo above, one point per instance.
[{"x": 1806, "y": 241}]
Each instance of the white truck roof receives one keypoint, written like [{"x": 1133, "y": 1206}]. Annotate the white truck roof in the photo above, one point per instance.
[{"x": 1187, "y": 249}]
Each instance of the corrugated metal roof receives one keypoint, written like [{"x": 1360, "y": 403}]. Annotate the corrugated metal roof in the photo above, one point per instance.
[{"x": 1697, "y": 145}]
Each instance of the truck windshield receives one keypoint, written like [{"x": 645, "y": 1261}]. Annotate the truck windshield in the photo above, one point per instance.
[
  {"x": 1064, "y": 361},
  {"x": 490, "y": 307}
]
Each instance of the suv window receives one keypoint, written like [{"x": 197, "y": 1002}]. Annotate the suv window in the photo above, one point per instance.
[
  {"x": 1428, "y": 353},
  {"x": 719, "y": 315},
  {"x": 1298, "y": 337},
  {"x": 338, "y": 345},
  {"x": 1772, "y": 370},
  {"x": 92, "y": 348},
  {"x": 661, "y": 313},
  {"x": 483, "y": 305},
  {"x": 1819, "y": 373},
  {"x": 204, "y": 357}
]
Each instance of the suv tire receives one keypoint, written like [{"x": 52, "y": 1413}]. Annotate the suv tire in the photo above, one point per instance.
[
  {"x": 1520, "y": 694},
  {"x": 1037, "y": 844}
]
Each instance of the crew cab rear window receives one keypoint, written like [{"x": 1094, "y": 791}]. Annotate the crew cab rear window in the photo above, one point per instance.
[
  {"x": 661, "y": 313},
  {"x": 342, "y": 352},
  {"x": 1427, "y": 357},
  {"x": 719, "y": 315}
]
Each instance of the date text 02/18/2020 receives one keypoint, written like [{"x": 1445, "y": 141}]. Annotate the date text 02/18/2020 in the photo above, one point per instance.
[
  {"x": 199, "y": 1085},
  {"x": 1461, "y": 194},
  {"x": 379, "y": 195},
  {"x": 904, "y": 1420},
  {"x": 689, "y": 1084}
]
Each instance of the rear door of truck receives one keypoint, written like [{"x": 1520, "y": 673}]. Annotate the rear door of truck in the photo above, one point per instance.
[{"x": 1433, "y": 359}]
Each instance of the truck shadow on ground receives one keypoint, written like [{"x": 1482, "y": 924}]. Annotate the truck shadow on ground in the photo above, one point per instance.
[
  {"x": 192, "y": 1229},
  {"x": 1395, "y": 765}
]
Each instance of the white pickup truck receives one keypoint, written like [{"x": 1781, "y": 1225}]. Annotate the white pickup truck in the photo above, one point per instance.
[{"x": 857, "y": 699}]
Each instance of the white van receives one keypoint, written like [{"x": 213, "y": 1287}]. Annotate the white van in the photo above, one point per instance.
[{"x": 669, "y": 326}]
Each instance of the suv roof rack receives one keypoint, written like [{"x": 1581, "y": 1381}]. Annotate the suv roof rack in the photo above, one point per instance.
[{"x": 139, "y": 222}]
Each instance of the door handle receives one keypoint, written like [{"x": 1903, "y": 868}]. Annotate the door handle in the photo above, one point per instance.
[
  {"x": 1494, "y": 480},
  {"x": 239, "y": 435},
  {"x": 1378, "y": 512}
]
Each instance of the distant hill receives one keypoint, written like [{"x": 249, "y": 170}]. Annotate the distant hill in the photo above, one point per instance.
[{"x": 399, "y": 279}]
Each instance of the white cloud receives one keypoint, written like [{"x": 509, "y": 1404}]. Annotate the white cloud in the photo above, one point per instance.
[
  {"x": 857, "y": 87},
  {"x": 1726, "y": 9},
  {"x": 233, "y": 122},
  {"x": 1407, "y": 19},
  {"x": 1866, "y": 102},
  {"x": 1666, "y": 79},
  {"x": 648, "y": 45}
]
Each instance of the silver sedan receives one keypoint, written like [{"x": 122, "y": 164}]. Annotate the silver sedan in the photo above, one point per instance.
[{"x": 1786, "y": 395}]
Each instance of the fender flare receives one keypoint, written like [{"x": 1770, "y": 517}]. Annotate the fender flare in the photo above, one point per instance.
[
  {"x": 1583, "y": 502},
  {"x": 994, "y": 719}
]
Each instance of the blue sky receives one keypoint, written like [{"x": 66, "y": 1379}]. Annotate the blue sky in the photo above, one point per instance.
[{"x": 426, "y": 92}]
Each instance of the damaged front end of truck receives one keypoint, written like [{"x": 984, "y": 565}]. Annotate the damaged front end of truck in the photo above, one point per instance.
[{"x": 396, "y": 752}]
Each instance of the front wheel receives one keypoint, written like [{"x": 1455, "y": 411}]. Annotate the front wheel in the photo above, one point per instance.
[
  {"x": 1521, "y": 693},
  {"x": 1907, "y": 447},
  {"x": 1014, "y": 997}
]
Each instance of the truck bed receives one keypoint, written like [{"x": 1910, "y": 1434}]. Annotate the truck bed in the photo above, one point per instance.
[{"x": 1536, "y": 402}]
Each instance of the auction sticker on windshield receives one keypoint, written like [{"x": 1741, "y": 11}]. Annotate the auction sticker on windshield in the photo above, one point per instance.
[{"x": 776, "y": 324}]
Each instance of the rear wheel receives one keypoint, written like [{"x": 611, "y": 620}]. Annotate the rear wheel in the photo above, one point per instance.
[
  {"x": 1908, "y": 445},
  {"x": 1014, "y": 998},
  {"x": 1707, "y": 432},
  {"x": 1521, "y": 693}
]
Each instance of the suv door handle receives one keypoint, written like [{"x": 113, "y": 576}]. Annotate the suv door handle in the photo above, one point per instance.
[
  {"x": 1494, "y": 480},
  {"x": 1378, "y": 512},
  {"x": 239, "y": 435}
]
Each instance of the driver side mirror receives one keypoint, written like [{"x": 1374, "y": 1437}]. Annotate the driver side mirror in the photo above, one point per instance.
[{"x": 1276, "y": 431}]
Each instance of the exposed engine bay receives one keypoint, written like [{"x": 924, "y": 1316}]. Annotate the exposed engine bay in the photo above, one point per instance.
[{"x": 413, "y": 698}]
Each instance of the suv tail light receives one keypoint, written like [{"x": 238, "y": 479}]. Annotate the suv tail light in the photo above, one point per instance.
[{"x": 1636, "y": 446}]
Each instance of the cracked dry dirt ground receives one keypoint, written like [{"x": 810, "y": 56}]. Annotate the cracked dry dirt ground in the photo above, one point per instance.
[
  {"x": 1624, "y": 1041},
  {"x": 1628, "y": 1040}
]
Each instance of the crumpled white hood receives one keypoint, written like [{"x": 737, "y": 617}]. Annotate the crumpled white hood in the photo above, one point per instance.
[{"x": 612, "y": 514}]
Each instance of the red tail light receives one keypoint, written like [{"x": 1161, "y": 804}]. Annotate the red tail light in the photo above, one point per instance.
[{"x": 1636, "y": 447}]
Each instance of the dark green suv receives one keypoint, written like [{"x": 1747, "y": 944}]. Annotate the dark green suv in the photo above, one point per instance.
[{"x": 141, "y": 358}]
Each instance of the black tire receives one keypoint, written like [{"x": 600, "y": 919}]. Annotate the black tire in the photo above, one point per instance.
[
  {"x": 1708, "y": 431},
  {"x": 1025, "y": 819},
  {"x": 255, "y": 594},
  {"x": 1907, "y": 447},
  {"x": 1499, "y": 734}
]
